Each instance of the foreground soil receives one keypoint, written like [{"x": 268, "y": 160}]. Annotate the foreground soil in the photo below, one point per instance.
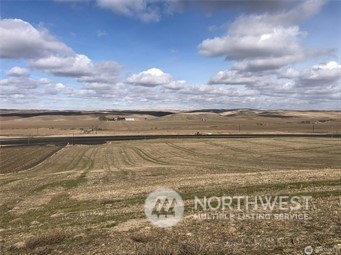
[{"x": 90, "y": 199}]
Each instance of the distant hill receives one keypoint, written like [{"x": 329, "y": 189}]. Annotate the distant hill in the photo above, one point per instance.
[{"x": 34, "y": 113}]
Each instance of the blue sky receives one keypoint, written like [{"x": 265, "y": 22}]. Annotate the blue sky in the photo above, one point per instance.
[{"x": 170, "y": 54}]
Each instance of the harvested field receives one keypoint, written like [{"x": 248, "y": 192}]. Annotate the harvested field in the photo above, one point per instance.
[
  {"x": 14, "y": 159},
  {"x": 89, "y": 199}
]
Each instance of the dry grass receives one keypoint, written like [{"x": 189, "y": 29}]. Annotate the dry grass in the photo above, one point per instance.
[
  {"x": 140, "y": 238},
  {"x": 157, "y": 250},
  {"x": 98, "y": 193},
  {"x": 51, "y": 237}
]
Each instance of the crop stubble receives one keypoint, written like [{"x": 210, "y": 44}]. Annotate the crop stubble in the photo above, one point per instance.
[{"x": 96, "y": 195}]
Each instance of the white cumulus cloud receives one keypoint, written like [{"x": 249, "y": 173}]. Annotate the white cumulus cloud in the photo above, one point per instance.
[
  {"x": 71, "y": 66},
  {"x": 18, "y": 71},
  {"x": 234, "y": 77},
  {"x": 19, "y": 85},
  {"x": 322, "y": 75},
  {"x": 264, "y": 41},
  {"x": 43, "y": 52},
  {"x": 150, "y": 78},
  {"x": 19, "y": 39},
  {"x": 144, "y": 10}
]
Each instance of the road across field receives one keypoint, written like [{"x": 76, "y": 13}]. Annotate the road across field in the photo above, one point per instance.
[{"x": 64, "y": 140}]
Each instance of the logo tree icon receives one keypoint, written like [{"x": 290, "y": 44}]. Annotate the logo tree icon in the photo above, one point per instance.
[
  {"x": 171, "y": 209},
  {"x": 164, "y": 207},
  {"x": 157, "y": 207}
]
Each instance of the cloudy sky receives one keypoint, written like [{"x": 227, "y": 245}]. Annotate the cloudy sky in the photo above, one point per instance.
[{"x": 170, "y": 54}]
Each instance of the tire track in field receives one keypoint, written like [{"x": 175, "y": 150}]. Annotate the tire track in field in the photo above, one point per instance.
[
  {"x": 211, "y": 161},
  {"x": 90, "y": 160},
  {"x": 293, "y": 151},
  {"x": 200, "y": 156},
  {"x": 287, "y": 148},
  {"x": 237, "y": 151},
  {"x": 147, "y": 157},
  {"x": 188, "y": 151},
  {"x": 115, "y": 160},
  {"x": 100, "y": 159},
  {"x": 85, "y": 164},
  {"x": 103, "y": 164},
  {"x": 126, "y": 156},
  {"x": 238, "y": 159},
  {"x": 79, "y": 152},
  {"x": 63, "y": 161},
  {"x": 275, "y": 159},
  {"x": 103, "y": 159},
  {"x": 107, "y": 159},
  {"x": 75, "y": 173},
  {"x": 185, "y": 159},
  {"x": 119, "y": 158},
  {"x": 118, "y": 163}
]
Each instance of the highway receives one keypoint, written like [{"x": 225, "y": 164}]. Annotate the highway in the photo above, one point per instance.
[{"x": 64, "y": 140}]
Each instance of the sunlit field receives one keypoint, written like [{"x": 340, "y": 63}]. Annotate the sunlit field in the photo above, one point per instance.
[{"x": 88, "y": 199}]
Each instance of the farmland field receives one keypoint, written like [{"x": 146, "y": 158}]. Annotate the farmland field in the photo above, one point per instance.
[
  {"x": 88, "y": 199},
  {"x": 28, "y": 123},
  {"x": 15, "y": 159}
]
